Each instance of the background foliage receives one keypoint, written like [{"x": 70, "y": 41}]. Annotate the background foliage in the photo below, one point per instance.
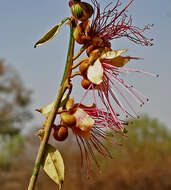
[{"x": 14, "y": 112}]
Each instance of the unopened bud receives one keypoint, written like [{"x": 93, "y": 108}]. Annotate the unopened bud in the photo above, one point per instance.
[
  {"x": 81, "y": 10},
  {"x": 81, "y": 32},
  {"x": 77, "y": 10},
  {"x": 60, "y": 133},
  {"x": 83, "y": 67},
  {"x": 85, "y": 83}
]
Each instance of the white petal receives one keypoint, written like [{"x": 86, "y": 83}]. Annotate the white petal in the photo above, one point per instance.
[
  {"x": 95, "y": 72},
  {"x": 83, "y": 120},
  {"x": 112, "y": 54}
]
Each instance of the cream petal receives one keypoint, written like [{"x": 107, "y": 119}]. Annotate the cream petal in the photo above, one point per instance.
[
  {"x": 95, "y": 72},
  {"x": 112, "y": 54},
  {"x": 83, "y": 120}
]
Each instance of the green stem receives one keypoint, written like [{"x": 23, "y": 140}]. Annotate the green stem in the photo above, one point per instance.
[
  {"x": 68, "y": 66},
  {"x": 51, "y": 118}
]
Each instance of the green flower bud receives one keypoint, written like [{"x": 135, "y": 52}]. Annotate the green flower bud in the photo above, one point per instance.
[
  {"x": 81, "y": 10},
  {"x": 77, "y": 10}
]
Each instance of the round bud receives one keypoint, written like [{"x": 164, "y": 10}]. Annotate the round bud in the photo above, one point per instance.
[
  {"x": 81, "y": 10},
  {"x": 60, "y": 133},
  {"x": 77, "y": 10},
  {"x": 85, "y": 83},
  {"x": 83, "y": 68}
]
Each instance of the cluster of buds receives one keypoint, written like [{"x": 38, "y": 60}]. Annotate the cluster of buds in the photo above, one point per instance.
[{"x": 100, "y": 71}]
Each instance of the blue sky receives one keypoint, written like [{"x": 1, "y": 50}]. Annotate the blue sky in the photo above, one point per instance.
[{"x": 23, "y": 22}]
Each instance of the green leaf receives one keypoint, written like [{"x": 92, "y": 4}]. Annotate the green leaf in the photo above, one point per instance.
[
  {"x": 53, "y": 165},
  {"x": 50, "y": 34}
]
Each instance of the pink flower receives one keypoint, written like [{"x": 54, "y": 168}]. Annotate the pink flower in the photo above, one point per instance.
[
  {"x": 90, "y": 144},
  {"x": 104, "y": 76},
  {"x": 90, "y": 126},
  {"x": 113, "y": 23}
]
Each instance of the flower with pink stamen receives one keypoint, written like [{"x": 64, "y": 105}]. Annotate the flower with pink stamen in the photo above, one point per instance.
[
  {"x": 104, "y": 77},
  {"x": 90, "y": 126},
  {"x": 112, "y": 23}
]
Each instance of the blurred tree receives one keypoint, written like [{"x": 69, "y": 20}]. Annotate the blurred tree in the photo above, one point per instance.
[
  {"x": 146, "y": 132},
  {"x": 14, "y": 112}
]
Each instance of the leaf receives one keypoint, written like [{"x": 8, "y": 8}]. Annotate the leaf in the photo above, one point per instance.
[
  {"x": 50, "y": 34},
  {"x": 95, "y": 72},
  {"x": 53, "y": 165}
]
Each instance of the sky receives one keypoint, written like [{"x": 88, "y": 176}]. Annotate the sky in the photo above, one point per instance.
[{"x": 23, "y": 22}]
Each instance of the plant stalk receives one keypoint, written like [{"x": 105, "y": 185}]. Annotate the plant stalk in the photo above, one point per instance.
[{"x": 63, "y": 87}]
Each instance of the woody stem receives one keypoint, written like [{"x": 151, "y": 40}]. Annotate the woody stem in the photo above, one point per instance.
[{"x": 65, "y": 83}]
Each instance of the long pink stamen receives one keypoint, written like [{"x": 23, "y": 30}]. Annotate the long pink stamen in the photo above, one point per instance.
[
  {"x": 112, "y": 24},
  {"x": 119, "y": 81}
]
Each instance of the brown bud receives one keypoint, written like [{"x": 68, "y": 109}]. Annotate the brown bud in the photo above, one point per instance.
[
  {"x": 81, "y": 32},
  {"x": 83, "y": 67},
  {"x": 60, "y": 133},
  {"x": 68, "y": 119},
  {"x": 85, "y": 83}
]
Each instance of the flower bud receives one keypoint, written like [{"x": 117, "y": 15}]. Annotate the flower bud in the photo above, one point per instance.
[
  {"x": 81, "y": 32},
  {"x": 68, "y": 119},
  {"x": 77, "y": 10},
  {"x": 60, "y": 133},
  {"x": 83, "y": 67},
  {"x": 85, "y": 83},
  {"x": 81, "y": 10}
]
